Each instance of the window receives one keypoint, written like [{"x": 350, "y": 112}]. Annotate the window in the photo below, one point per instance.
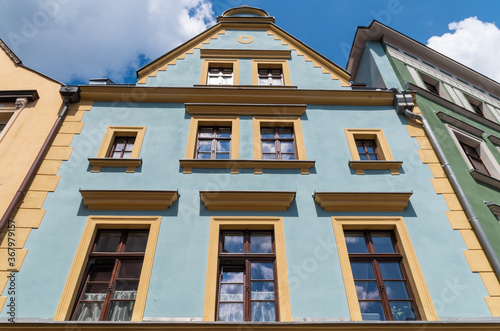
[
  {"x": 213, "y": 142},
  {"x": 476, "y": 105},
  {"x": 219, "y": 72},
  {"x": 431, "y": 84},
  {"x": 379, "y": 276},
  {"x": 278, "y": 138},
  {"x": 367, "y": 149},
  {"x": 247, "y": 270},
  {"x": 220, "y": 76},
  {"x": 278, "y": 143},
  {"x": 247, "y": 280},
  {"x": 431, "y": 88},
  {"x": 269, "y": 76},
  {"x": 109, "y": 277},
  {"x": 380, "y": 269},
  {"x": 474, "y": 158},
  {"x": 270, "y": 73},
  {"x": 2, "y": 125},
  {"x": 122, "y": 148},
  {"x": 110, "y": 284}
]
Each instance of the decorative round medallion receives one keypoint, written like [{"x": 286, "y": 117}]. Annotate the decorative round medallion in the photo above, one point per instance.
[{"x": 245, "y": 39}]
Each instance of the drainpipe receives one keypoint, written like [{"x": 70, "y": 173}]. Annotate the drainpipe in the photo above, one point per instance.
[
  {"x": 70, "y": 94},
  {"x": 403, "y": 103}
]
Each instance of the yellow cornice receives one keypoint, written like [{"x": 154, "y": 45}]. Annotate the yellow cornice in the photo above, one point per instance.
[
  {"x": 257, "y": 165},
  {"x": 245, "y": 53},
  {"x": 361, "y": 165},
  {"x": 194, "y": 326},
  {"x": 245, "y": 109},
  {"x": 247, "y": 200},
  {"x": 128, "y": 200},
  {"x": 98, "y": 162},
  {"x": 235, "y": 94},
  {"x": 363, "y": 201}
]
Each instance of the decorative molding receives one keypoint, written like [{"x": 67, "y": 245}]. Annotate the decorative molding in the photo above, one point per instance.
[
  {"x": 494, "y": 139},
  {"x": 12, "y": 96},
  {"x": 494, "y": 207},
  {"x": 245, "y": 39},
  {"x": 98, "y": 162},
  {"x": 257, "y": 165},
  {"x": 482, "y": 177},
  {"x": 128, "y": 199},
  {"x": 245, "y": 53},
  {"x": 247, "y": 200},
  {"x": 363, "y": 201},
  {"x": 361, "y": 165},
  {"x": 245, "y": 109},
  {"x": 459, "y": 124}
]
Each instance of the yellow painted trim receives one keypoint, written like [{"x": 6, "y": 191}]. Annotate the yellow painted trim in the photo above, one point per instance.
[
  {"x": 197, "y": 121},
  {"x": 49, "y": 167},
  {"x": 130, "y": 164},
  {"x": 458, "y": 220},
  {"x": 247, "y": 200},
  {"x": 415, "y": 275},
  {"x": 21, "y": 237},
  {"x": 363, "y": 201},
  {"x": 34, "y": 199},
  {"x": 282, "y": 64},
  {"x": 94, "y": 223},
  {"x": 19, "y": 256},
  {"x": 233, "y": 63},
  {"x": 29, "y": 218},
  {"x": 245, "y": 39},
  {"x": 250, "y": 223},
  {"x": 63, "y": 140},
  {"x": 361, "y": 166},
  {"x": 128, "y": 200},
  {"x": 71, "y": 127},
  {"x": 490, "y": 280},
  {"x": 293, "y": 122},
  {"x": 257, "y": 165},
  {"x": 442, "y": 185},
  {"x": 494, "y": 305},
  {"x": 245, "y": 54},
  {"x": 478, "y": 262},
  {"x": 59, "y": 153},
  {"x": 44, "y": 183},
  {"x": 107, "y": 143}
]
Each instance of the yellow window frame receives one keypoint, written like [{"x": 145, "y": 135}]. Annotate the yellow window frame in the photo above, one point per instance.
[
  {"x": 77, "y": 271},
  {"x": 224, "y": 63},
  {"x": 416, "y": 278},
  {"x": 294, "y": 122},
  {"x": 273, "y": 64},
  {"x": 246, "y": 223}
]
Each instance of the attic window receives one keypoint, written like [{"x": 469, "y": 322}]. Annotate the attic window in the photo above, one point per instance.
[{"x": 220, "y": 76}]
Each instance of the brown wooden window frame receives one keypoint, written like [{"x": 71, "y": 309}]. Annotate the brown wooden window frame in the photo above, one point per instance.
[
  {"x": 215, "y": 138},
  {"x": 242, "y": 261},
  {"x": 474, "y": 158},
  {"x": 365, "y": 144},
  {"x": 277, "y": 142},
  {"x": 270, "y": 76},
  {"x": 129, "y": 141},
  {"x": 375, "y": 259},
  {"x": 103, "y": 259}
]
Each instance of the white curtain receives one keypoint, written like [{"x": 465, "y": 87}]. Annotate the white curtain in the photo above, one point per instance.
[{"x": 119, "y": 310}]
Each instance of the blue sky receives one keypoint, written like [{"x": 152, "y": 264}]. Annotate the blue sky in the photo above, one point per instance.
[{"x": 74, "y": 40}]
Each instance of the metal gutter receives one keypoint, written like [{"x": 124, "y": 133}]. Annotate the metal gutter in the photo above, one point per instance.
[
  {"x": 70, "y": 94},
  {"x": 403, "y": 104}
]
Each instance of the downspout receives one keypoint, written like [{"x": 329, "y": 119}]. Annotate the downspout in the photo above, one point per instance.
[
  {"x": 70, "y": 94},
  {"x": 403, "y": 103}
]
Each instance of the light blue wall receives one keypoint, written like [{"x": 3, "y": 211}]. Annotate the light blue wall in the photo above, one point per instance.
[{"x": 177, "y": 284}]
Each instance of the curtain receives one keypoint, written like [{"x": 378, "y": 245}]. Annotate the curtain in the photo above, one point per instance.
[{"x": 118, "y": 311}]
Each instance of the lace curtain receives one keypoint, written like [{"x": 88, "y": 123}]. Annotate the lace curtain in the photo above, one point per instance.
[{"x": 118, "y": 311}]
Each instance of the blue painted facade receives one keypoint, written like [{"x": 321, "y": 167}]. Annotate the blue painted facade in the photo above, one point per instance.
[{"x": 316, "y": 285}]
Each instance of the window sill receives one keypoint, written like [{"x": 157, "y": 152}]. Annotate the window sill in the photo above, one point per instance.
[
  {"x": 247, "y": 200},
  {"x": 363, "y": 201},
  {"x": 128, "y": 200},
  {"x": 482, "y": 177},
  {"x": 98, "y": 162},
  {"x": 361, "y": 166},
  {"x": 257, "y": 165}
]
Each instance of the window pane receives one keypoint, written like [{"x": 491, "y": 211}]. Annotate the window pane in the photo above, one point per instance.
[
  {"x": 233, "y": 243},
  {"x": 267, "y": 133},
  {"x": 372, "y": 311},
  {"x": 227, "y": 80},
  {"x": 130, "y": 269},
  {"x": 370, "y": 150},
  {"x": 231, "y": 276},
  {"x": 361, "y": 150},
  {"x": 286, "y": 147},
  {"x": 108, "y": 241},
  {"x": 119, "y": 144},
  {"x": 269, "y": 156},
  {"x": 223, "y": 145},
  {"x": 363, "y": 157},
  {"x": 268, "y": 147},
  {"x": 125, "y": 289},
  {"x": 362, "y": 270},
  {"x": 403, "y": 310},
  {"x": 264, "y": 81},
  {"x": 262, "y": 271},
  {"x": 262, "y": 291},
  {"x": 120, "y": 311},
  {"x": 390, "y": 270},
  {"x": 95, "y": 292},
  {"x": 127, "y": 155},
  {"x": 205, "y": 145},
  {"x": 222, "y": 156},
  {"x": 136, "y": 241},
  {"x": 367, "y": 290},
  {"x": 382, "y": 242},
  {"x": 213, "y": 80},
  {"x": 101, "y": 273},
  {"x": 203, "y": 156},
  {"x": 231, "y": 292},
  {"x": 286, "y": 133},
  {"x": 206, "y": 132},
  {"x": 88, "y": 311},
  {"x": 224, "y": 132},
  {"x": 396, "y": 290},
  {"x": 261, "y": 243},
  {"x": 116, "y": 155},
  {"x": 263, "y": 311},
  {"x": 277, "y": 81},
  {"x": 231, "y": 312},
  {"x": 355, "y": 242}
]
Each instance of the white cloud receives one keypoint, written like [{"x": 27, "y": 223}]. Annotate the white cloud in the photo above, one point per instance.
[
  {"x": 69, "y": 39},
  {"x": 473, "y": 43}
]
